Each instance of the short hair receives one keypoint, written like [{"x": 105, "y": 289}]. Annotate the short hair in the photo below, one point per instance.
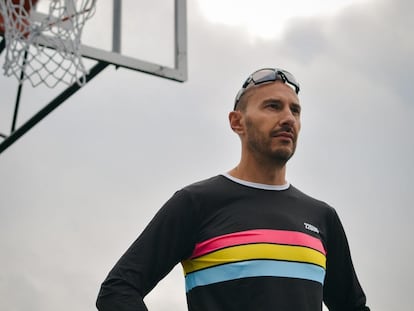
[{"x": 241, "y": 105}]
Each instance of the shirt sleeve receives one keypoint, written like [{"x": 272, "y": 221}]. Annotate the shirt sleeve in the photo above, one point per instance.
[
  {"x": 342, "y": 290},
  {"x": 168, "y": 239}
]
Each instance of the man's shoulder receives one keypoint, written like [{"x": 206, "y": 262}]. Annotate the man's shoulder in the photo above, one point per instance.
[
  {"x": 299, "y": 194},
  {"x": 208, "y": 184},
  {"x": 206, "y": 190}
]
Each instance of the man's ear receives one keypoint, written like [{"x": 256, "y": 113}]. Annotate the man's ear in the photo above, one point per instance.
[{"x": 236, "y": 122}]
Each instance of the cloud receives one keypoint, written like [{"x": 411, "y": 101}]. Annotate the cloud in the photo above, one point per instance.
[{"x": 370, "y": 39}]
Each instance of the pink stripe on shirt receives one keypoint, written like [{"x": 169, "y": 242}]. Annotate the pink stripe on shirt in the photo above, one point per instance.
[{"x": 258, "y": 236}]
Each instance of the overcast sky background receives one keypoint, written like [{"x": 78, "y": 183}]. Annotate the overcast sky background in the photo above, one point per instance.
[{"x": 77, "y": 189}]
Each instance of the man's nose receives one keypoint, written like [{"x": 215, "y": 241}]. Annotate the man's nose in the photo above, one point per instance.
[{"x": 288, "y": 118}]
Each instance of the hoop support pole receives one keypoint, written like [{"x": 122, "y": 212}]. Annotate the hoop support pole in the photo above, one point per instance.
[
  {"x": 39, "y": 116},
  {"x": 2, "y": 44},
  {"x": 18, "y": 96}
]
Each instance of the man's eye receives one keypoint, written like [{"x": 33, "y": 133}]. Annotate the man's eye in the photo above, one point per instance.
[
  {"x": 295, "y": 110},
  {"x": 274, "y": 105}
]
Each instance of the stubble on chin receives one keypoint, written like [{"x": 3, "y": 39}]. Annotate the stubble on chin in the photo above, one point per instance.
[{"x": 261, "y": 146}]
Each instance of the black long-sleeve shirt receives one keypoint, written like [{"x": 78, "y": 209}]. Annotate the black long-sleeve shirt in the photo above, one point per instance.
[{"x": 243, "y": 246}]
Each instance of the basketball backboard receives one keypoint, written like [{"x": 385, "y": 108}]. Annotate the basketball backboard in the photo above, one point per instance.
[{"x": 147, "y": 36}]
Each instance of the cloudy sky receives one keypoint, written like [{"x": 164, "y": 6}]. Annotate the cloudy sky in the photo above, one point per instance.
[{"x": 80, "y": 186}]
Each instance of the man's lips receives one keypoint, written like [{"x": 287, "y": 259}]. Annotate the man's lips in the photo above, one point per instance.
[{"x": 284, "y": 134}]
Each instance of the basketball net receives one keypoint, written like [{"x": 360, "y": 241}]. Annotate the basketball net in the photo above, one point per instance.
[{"x": 45, "y": 48}]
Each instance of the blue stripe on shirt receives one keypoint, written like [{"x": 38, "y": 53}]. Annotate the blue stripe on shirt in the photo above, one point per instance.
[{"x": 254, "y": 268}]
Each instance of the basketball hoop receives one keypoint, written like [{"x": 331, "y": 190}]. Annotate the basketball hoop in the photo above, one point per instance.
[{"x": 45, "y": 48}]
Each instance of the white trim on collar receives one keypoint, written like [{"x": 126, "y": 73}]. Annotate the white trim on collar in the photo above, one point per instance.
[{"x": 257, "y": 185}]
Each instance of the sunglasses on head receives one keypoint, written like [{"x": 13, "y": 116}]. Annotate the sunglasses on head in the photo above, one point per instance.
[{"x": 267, "y": 75}]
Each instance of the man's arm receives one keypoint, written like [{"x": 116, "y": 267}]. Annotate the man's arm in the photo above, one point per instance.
[
  {"x": 342, "y": 291},
  {"x": 168, "y": 239}
]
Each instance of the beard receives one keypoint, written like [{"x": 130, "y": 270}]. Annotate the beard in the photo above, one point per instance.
[{"x": 261, "y": 146}]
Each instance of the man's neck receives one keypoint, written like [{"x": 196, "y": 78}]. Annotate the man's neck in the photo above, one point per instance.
[{"x": 260, "y": 173}]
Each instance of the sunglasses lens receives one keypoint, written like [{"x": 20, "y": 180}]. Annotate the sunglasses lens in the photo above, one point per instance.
[
  {"x": 291, "y": 80},
  {"x": 289, "y": 76},
  {"x": 264, "y": 75}
]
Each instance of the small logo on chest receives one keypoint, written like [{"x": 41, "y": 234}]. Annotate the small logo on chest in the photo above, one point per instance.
[{"x": 311, "y": 227}]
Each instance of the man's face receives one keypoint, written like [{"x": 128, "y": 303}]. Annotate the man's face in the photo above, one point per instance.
[{"x": 272, "y": 122}]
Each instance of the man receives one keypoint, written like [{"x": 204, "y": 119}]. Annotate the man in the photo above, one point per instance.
[{"x": 247, "y": 239}]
